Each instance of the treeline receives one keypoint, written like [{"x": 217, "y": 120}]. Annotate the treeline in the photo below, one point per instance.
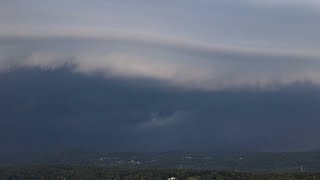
[{"x": 79, "y": 173}]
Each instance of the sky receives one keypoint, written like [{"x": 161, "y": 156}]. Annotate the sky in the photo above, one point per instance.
[{"x": 148, "y": 75}]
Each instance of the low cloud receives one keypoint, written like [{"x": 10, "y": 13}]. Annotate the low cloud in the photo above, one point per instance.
[
  {"x": 207, "y": 75},
  {"x": 158, "y": 120},
  {"x": 53, "y": 110},
  {"x": 175, "y": 64}
]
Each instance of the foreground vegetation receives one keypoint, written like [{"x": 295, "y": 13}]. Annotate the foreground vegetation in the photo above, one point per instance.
[{"x": 72, "y": 172}]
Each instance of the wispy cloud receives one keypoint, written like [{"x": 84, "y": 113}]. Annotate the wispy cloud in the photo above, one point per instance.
[{"x": 157, "y": 120}]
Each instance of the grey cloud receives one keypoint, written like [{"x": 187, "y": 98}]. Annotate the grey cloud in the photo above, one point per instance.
[
  {"x": 308, "y": 3},
  {"x": 248, "y": 23},
  {"x": 158, "y": 120},
  {"x": 48, "y": 110},
  {"x": 220, "y": 75},
  {"x": 175, "y": 64}
]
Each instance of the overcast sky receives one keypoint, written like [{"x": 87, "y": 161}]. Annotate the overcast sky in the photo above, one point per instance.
[{"x": 208, "y": 75}]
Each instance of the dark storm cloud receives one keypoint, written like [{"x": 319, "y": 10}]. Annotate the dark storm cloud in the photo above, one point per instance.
[
  {"x": 207, "y": 75},
  {"x": 59, "y": 109}
]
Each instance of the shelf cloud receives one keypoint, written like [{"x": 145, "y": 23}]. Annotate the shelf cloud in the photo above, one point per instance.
[
  {"x": 179, "y": 64},
  {"x": 144, "y": 75}
]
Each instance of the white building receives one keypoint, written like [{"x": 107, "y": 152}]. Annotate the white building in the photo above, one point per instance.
[{"x": 172, "y": 178}]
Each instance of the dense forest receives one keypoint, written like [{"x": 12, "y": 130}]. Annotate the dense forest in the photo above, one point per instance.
[
  {"x": 181, "y": 165},
  {"x": 81, "y": 172}
]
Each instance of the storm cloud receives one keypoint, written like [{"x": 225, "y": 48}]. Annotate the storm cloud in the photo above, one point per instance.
[
  {"x": 145, "y": 75},
  {"x": 59, "y": 109},
  {"x": 176, "y": 64}
]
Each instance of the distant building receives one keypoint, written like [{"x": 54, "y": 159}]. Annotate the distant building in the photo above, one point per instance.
[
  {"x": 135, "y": 162},
  {"x": 172, "y": 178}
]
